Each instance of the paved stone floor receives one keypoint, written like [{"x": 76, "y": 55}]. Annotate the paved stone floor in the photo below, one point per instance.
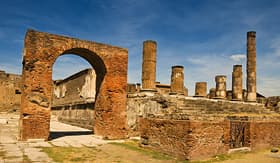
[{"x": 13, "y": 151}]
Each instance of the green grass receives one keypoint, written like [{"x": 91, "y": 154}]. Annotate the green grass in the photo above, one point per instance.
[
  {"x": 26, "y": 159},
  {"x": 70, "y": 154},
  {"x": 132, "y": 145}
]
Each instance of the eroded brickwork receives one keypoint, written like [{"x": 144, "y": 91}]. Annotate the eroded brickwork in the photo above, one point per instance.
[
  {"x": 110, "y": 63},
  {"x": 184, "y": 139}
]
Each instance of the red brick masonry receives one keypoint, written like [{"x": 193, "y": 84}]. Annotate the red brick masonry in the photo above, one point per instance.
[{"x": 110, "y": 63}]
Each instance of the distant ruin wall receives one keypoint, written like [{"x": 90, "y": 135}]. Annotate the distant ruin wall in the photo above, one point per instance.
[
  {"x": 73, "y": 99},
  {"x": 10, "y": 88}
]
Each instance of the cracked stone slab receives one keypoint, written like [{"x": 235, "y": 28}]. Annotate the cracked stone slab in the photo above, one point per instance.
[
  {"x": 60, "y": 144},
  {"x": 36, "y": 155}
]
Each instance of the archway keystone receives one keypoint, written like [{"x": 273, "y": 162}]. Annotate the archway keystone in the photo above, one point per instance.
[{"x": 110, "y": 63}]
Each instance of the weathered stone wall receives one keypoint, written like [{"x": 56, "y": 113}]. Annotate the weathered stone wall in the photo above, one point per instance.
[
  {"x": 73, "y": 99},
  {"x": 265, "y": 134},
  {"x": 81, "y": 115},
  {"x": 79, "y": 88},
  {"x": 10, "y": 96},
  {"x": 190, "y": 139},
  {"x": 184, "y": 139}
]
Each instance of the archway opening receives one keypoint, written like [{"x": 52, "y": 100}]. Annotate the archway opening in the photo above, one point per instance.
[{"x": 77, "y": 77}]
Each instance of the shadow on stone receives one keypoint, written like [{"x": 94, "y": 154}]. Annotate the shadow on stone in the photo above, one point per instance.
[{"x": 58, "y": 134}]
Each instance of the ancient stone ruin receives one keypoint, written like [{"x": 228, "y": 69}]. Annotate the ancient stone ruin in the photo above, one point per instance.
[
  {"x": 149, "y": 65},
  {"x": 110, "y": 64},
  {"x": 165, "y": 117},
  {"x": 10, "y": 86},
  {"x": 237, "y": 90},
  {"x": 73, "y": 99}
]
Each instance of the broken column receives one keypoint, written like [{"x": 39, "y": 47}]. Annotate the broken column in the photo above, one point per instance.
[
  {"x": 212, "y": 93},
  {"x": 138, "y": 87},
  {"x": 200, "y": 89},
  {"x": 177, "y": 80},
  {"x": 251, "y": 66},
  {"x": 221, "y": 91},
  {"x": 237, "y": 90},
  {"x": 149, "y": 65}
]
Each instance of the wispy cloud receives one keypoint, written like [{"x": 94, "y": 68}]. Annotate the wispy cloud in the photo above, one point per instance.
[{"x": 238, "y": 57}]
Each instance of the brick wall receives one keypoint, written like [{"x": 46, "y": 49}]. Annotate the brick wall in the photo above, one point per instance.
[
  {"x": 184, "y": 139},
  {"x": 192, "y": 140}
]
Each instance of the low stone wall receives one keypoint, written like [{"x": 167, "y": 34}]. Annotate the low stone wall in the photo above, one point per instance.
[
  {"x": 191, "y": 140},
  {"x": 81, "y": 115},
  {"x": 184, "y": 139}
]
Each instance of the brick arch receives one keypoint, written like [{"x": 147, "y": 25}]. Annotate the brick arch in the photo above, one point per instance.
[{"x": 110, "y": 63}]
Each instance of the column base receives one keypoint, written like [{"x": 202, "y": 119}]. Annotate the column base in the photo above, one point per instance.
[{"x": 148, "y": 90}]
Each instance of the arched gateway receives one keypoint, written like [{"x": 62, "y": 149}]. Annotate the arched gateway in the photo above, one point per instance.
[{"x": 110, "y": 63}]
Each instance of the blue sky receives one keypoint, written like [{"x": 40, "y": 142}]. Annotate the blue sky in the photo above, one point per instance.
[{"x": 207, "y": 37}]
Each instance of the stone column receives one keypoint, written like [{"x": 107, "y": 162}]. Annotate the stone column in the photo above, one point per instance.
[
  {"x": 251, "y": 67},
  {"x": 212, "y": 93},
  {"x": 200, "y": 89},
  {"x": 237, "y": 90},
  {"x": 149, "y": 65},
  {"x": 138, "y": 86},
  {"x": 177, "y": 80},
  {"x": 221, "y": 89}
]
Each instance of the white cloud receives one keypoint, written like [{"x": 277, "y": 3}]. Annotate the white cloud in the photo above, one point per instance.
[{"x": 238, "y": 57}]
